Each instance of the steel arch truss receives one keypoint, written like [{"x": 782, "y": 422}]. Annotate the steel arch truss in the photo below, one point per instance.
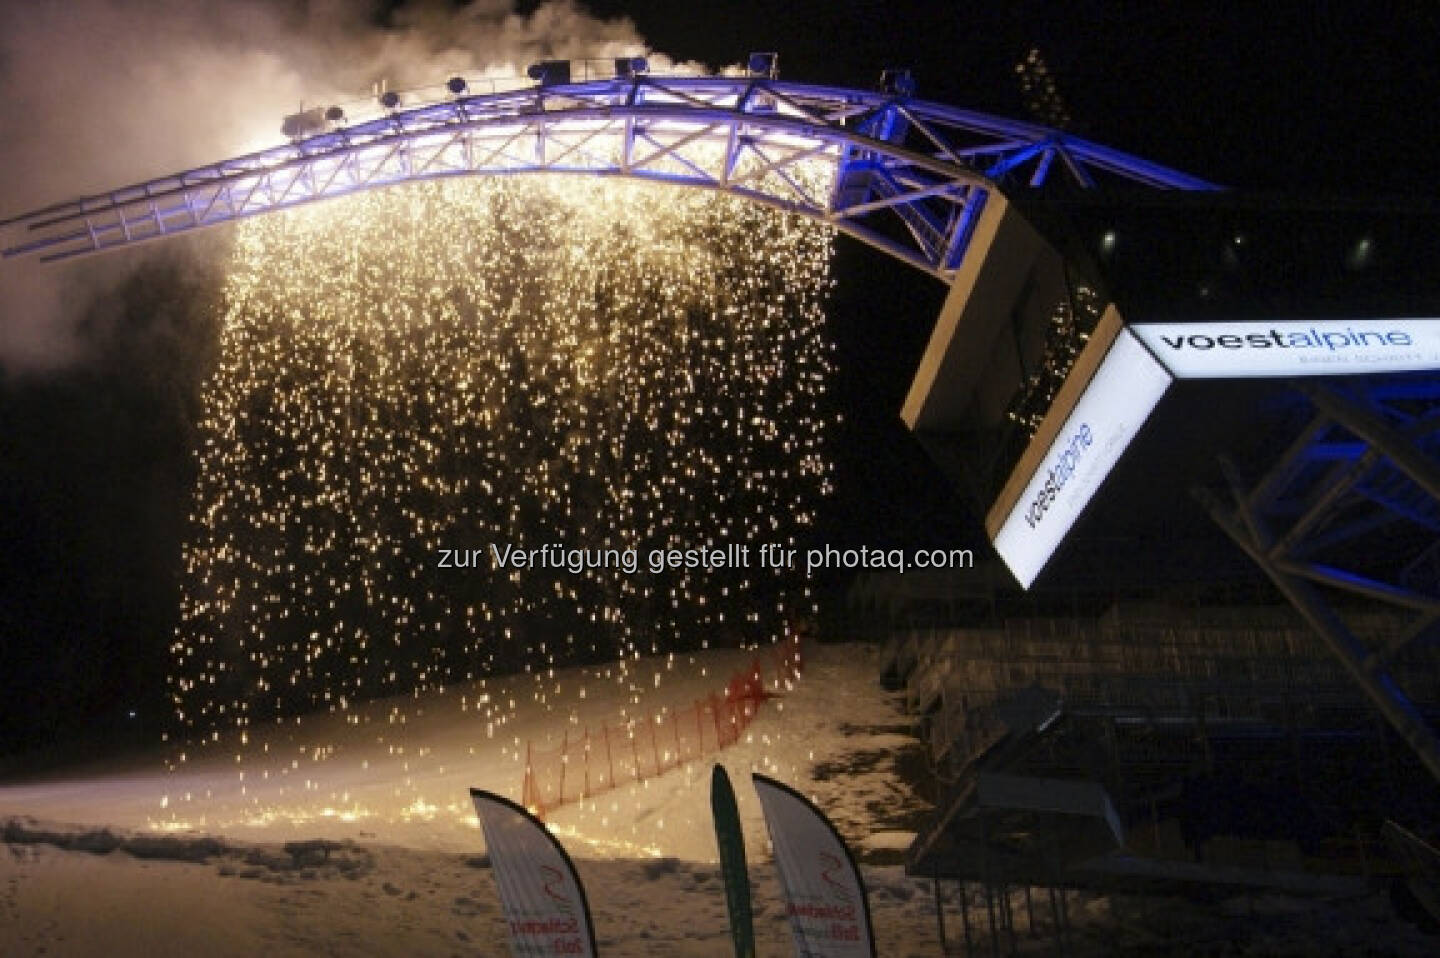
[
  {"x": 1353, "y": 508},
  {"x": 905, "y": 176}
]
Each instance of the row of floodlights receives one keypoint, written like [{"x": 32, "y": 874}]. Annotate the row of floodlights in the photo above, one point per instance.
[
  {"x": 557, "y": 73},
  {"x": 893, "y": 81},
  {"x": 546, "y": 73}
]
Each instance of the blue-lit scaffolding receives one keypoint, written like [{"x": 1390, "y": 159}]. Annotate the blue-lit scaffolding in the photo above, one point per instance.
[
  {"x": 1352, "y": 509},
  {"x": 905, "y": 176}
]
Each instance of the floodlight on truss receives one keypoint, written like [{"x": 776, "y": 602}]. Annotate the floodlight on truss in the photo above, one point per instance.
[
  {"x": 905, "y": 176},
  {"x": 897, "y": 82},
  {"x": 549, "y": 72},
  {"x": 627, "y": 67},
  {"x": 766, "y": 65}
]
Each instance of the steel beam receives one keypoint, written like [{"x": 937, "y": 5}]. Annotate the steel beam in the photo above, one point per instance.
[
  {"x": 1248, "y": 530},
  {"x": 1360, "y": 585},
  {"x": 1381, "y": 435},
  {"x": 1424, "y": 630},
  {"x": 929, "y": 166}
]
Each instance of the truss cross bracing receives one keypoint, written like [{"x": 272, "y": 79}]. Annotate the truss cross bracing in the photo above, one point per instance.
[
  {"x": 905, "y": 176},
  {"x": 1352, "y": 511}
]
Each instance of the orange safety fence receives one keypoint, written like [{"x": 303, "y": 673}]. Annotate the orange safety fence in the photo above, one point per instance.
[{"x": 592, "y": 760}]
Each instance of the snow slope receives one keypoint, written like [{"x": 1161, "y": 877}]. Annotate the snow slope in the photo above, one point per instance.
[
  {"x": 398, "y": 771},
  {"x": 98, "y": 860},
  {"x": 391, "y": 778}
]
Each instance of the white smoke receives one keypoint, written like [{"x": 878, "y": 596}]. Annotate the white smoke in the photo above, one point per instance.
[{"x": 96, "y": 94}]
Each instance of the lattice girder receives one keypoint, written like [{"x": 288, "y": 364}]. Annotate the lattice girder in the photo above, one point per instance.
[{"x": 904, "y": 176}]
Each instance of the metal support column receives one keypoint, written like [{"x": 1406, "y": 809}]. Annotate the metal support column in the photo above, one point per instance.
[
  {"x": 1290, "y": 550},
  {"x": 1373, "y": 678}
]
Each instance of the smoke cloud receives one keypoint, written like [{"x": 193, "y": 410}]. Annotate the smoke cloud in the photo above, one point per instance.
[{"x": 103, "y": 93}]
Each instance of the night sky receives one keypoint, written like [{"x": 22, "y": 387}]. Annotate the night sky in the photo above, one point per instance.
[{"x": 95, "y": 458}]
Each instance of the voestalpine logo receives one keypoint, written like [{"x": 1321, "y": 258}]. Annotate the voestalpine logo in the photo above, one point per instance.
[
  {"x": 1060, "y": 473},
  {"x": 1107, "y": 415},
  {"x": 1332, "y": 340},
  {"x": 1276, "y": 348}
]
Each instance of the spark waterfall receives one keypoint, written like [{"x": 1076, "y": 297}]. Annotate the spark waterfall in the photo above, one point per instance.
[{"x": 518, "y": 361}]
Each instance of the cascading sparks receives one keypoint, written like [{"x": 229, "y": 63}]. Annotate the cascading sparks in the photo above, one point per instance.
[{"x": 526, "y": 361}]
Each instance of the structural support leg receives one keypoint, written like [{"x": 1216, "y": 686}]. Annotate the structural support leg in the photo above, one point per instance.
[
  {"x": 1243, "y": 525},
  {"x": 1381, "y": 435}
]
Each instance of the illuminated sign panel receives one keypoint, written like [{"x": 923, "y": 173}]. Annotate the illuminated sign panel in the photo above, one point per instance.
[
  {"x": 1244, "y": 350},
  {"x": 1115, "y": 404}
]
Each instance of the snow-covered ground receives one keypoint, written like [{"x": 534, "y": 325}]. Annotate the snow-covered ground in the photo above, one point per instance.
[
  {"x": 390, "y": 779},
  {"x": 388, "y": 783},
  {"x": 398, "y": 771}
]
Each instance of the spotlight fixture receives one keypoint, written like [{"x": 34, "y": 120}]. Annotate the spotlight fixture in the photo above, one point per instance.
[
  {"x": 550, "y": 72},
  {"x": 627, "y": 67},
  {"x": 897, "y": 82},
  {"x": 1361, "y": 254},
  {"x": 389, "y": 99},
  {"x": 457, "y": 85},
  {"x": 297, "y": 126},
  {"x": 763, "y": 65}
]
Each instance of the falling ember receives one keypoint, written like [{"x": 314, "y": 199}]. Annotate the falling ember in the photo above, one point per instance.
[{"x": 527, "y": 362}]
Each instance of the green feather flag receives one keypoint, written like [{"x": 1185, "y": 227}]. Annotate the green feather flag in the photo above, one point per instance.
[{"x": 732, "y": 862}]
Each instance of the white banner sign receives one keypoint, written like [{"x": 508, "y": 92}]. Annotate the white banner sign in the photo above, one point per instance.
[
  {"x": 824, "y": 895},
  {"x": 1107, "y": 416},
  {"x": 540, "y": 894},
  {"x": 1325, "y": 347}
]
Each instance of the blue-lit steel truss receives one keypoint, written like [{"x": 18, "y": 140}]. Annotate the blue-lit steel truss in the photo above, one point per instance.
[
  {"x": 1352, "y": 508},
  {"x": 905, "y": 176}
]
